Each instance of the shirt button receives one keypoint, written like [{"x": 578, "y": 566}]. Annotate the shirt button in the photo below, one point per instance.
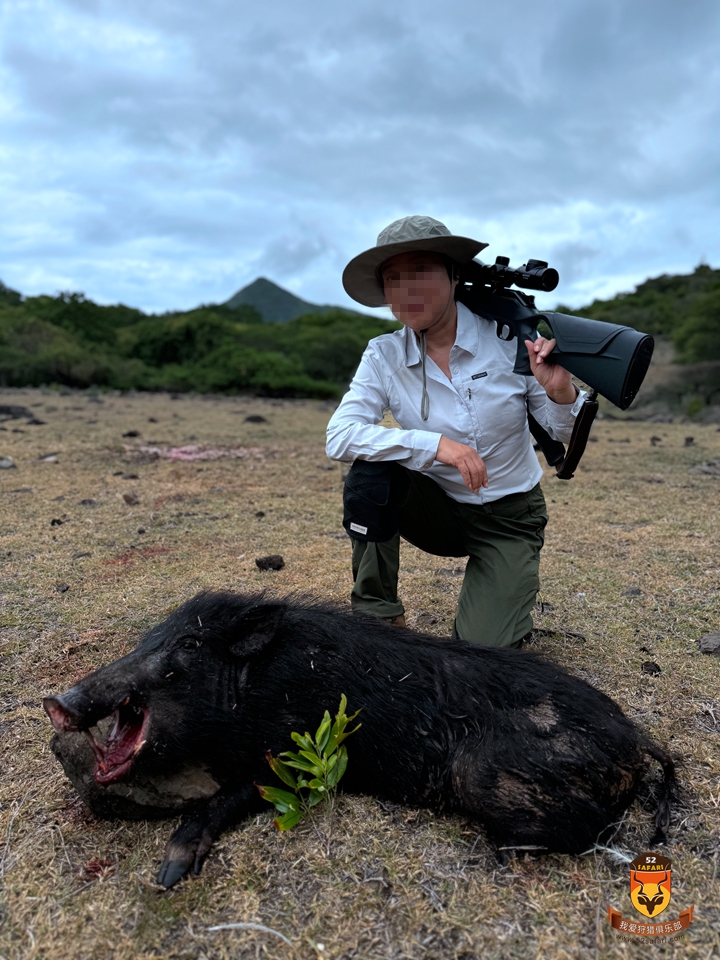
[{"x": 456, "y": 370}]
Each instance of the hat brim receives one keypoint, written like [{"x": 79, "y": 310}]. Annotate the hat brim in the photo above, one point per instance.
[{"x": 360, "y": 275}]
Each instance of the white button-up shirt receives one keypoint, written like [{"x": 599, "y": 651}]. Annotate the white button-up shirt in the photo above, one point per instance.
[{"x": 484, "y": 406}]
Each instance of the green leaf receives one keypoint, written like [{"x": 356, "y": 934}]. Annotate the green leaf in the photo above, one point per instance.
[
  {"x": 323, "y": 732},
  {"x": 315, "y": 798},
  {"x": 333, "y": 777},
  {"x": 342, "y": 762},
  {"x": 317, "y": 785},
  {"x": 305, "y": 740},
  {"x": 281, "y": 770},
  {"x": 303, "y": 765},
  {"x": 282, "y": 799},
  {"x": 344, "y": 736},
  {"x": 338, "y": 733},
  {"x": 289, "y": 820}
]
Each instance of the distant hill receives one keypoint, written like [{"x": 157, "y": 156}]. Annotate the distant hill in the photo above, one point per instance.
[{"x": 274, "y": 304}]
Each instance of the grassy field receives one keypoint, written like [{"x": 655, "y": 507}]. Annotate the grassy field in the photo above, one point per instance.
[{"x": 630, "y": 575}]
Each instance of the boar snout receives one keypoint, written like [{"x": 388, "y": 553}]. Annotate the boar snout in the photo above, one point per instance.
[
  {"x": 63, "y": 718},
  {"x": 77, "y": 709}
]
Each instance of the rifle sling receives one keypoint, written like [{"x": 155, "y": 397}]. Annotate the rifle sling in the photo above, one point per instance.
[
  {"x": 578, "y": 440},
  {"x": 553, "y": 450}
]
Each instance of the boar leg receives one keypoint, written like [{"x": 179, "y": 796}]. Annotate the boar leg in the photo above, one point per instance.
[{"x": 190, "y": 843}]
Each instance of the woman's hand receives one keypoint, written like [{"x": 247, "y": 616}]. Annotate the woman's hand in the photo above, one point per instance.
[
  {"x": 466, "y": 459},
  {"x": 554, "y": 379}
]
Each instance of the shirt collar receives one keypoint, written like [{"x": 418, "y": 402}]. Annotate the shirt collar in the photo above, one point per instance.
[{"x": 467, "y": 336}]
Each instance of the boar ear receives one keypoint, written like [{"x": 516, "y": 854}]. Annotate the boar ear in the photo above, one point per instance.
[{"x": 256, "y": 628}]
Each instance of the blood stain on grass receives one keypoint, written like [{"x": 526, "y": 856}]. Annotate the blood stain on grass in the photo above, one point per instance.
[{"x": 126, "y": 558}]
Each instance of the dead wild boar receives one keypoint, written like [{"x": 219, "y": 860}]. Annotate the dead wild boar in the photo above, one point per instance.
[{"x": 537, "y": 756}]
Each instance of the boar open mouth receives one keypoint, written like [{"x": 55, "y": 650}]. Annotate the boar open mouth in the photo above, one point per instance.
[{"x": 115, "y": 757}]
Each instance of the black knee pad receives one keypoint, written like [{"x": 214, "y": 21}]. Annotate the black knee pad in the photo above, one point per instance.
[{"x": 373, "y": 495}]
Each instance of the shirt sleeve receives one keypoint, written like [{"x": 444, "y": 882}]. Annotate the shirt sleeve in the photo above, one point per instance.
[
  {"x": 557, "y": 418},
  {"x": 353, "y": 432}
]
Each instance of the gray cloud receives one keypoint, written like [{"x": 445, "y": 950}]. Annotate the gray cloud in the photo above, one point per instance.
[{"x": 207, "y": 143}]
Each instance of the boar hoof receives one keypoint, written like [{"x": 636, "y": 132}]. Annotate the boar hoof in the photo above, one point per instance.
[
  {"x": 186, "y": 850},
  {"x": 172, "y": 871}
]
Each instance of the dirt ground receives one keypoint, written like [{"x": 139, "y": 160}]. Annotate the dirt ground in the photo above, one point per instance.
[{"x": 630, "y": 577}]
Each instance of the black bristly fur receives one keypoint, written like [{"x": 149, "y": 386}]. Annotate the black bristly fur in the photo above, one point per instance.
[{"x": 536, "y": 755}]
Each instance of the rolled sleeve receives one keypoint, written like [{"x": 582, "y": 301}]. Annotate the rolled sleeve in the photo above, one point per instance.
[
  {"x": 557, "y": 418},
  {"x": 353, "y": 432}
]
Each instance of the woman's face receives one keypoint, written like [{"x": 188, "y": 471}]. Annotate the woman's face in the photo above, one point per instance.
[{"x": 417, "y": 288}]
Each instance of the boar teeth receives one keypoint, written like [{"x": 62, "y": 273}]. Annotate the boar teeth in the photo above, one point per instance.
[{"x": 98, "y": 748}]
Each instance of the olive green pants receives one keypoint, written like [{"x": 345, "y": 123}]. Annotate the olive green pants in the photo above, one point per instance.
[{"x": 502, "y": 541}]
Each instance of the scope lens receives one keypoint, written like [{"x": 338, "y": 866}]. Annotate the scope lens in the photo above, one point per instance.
[{"x": 549, "y": 279}]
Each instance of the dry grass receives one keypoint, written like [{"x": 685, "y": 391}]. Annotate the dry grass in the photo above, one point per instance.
[{"x": 377, "y": 881}]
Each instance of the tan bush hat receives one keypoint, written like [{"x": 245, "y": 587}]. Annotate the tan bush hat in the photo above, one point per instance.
[{"x": 360, "y": 276}]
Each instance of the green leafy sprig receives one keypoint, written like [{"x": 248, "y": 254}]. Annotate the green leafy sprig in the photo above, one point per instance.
[{"x": 321, "y": 761}]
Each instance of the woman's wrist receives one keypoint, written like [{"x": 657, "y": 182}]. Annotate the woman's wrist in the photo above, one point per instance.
[{"x": 565, "y": 396}]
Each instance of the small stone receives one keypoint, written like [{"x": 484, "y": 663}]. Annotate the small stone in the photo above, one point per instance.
[
  {"x": 141, "y": 529},
  {"x": 131, "y": 433},
  {"x": 689, "y": 442},
  {"x": 655, "y": 441},
  {"x": 7, "y": 463},
  {"x": 62, "y": 587},
  {"x": 259, "y": 514},
  {"x": 128, "y": 476},
  {"x": 14, "y": 413},
  {"x": 710, "y": 643},
  {"x": 131, "y": 499},
  {"x": 272, "y": 562},
  {"x": 87, "y": 502},
  {"x": 152, "y": 419},
  {"x": 255, "y": 418},
  {"x": 633, "y": 592},
  {"x": 649, "y": 666},
  {"x": 57, "y": 521}
]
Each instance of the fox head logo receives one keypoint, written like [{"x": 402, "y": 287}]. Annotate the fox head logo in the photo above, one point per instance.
[{"x": 650, "y": 884}]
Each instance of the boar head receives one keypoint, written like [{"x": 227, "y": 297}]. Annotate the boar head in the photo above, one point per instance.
[{"x": 176, "y": 700}]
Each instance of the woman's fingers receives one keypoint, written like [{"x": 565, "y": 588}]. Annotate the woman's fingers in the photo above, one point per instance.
[
  {"x": 466, "y": 460},
  {"x": 473, "y": 471},
  {"x": 539, "y": 349}
]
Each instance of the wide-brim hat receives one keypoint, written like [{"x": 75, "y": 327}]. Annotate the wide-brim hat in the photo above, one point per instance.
[{"x": 360, "y": 277}]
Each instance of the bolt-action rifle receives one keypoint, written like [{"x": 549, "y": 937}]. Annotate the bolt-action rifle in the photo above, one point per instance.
[{"x": 611, "y": 359}]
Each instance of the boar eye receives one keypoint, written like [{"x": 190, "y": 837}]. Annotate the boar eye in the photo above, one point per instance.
[{"x": 190, "y": 644}]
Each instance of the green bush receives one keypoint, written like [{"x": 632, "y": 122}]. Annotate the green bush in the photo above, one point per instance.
[
  {"x": 320, "y": 763},
  {"x": 685, "y": 308}
]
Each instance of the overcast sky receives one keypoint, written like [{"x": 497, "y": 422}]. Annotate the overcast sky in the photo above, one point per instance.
[{"x": 164, "y": 153}]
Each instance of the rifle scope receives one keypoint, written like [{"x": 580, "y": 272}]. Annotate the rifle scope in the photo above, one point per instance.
[
  {"x": 533, "y": 275},
  {"x": 608, "y": 357}
]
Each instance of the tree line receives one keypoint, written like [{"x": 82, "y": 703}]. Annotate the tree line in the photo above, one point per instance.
[{"x": 69, "y": 340}]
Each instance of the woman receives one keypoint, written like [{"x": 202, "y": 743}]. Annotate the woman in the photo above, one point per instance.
[{"x": 460, "y": 477}]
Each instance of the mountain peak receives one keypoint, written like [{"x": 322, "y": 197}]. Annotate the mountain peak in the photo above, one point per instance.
[{"x": 274, "y": 303}]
